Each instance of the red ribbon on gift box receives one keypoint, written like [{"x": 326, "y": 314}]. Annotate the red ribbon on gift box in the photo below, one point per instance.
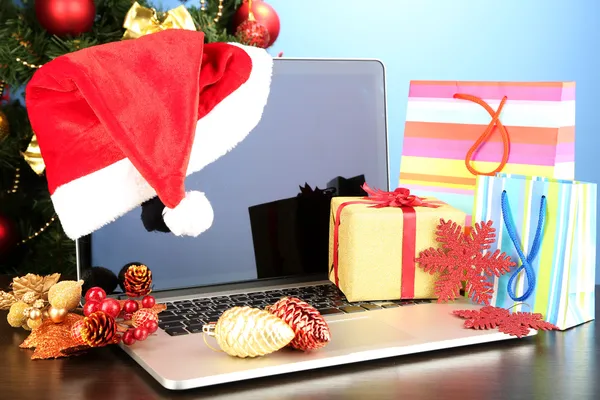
[{"x": 399, "y": 198}]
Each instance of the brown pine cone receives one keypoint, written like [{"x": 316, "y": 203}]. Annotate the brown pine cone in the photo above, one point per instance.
[
  {"x": 99, "y": 329},
  {"x": 311, "y": 329},
  {"x": 137, "y": 281}
]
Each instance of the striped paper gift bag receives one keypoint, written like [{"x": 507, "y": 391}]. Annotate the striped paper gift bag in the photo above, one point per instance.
[
  {"x": 457, "y": 130},
  {"x": 548, "y": 227}
]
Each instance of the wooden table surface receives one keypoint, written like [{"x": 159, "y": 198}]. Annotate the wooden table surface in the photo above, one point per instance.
[{"x": 552, "y": 365}]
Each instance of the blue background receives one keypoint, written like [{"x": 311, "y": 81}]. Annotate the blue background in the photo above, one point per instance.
[{"x": 532, "y": 40}]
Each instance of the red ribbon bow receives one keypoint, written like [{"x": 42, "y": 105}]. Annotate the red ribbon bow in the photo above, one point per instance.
[{"x": 400, "y": 197}]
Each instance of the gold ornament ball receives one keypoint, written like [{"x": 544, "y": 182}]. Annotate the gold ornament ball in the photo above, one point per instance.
[
  {"x": 34, "y": 323},
  {"x": 4, "y": 128},
  {"x": 35, "y": 314},
  {"x": 16, "y": 316},
  {"x": 65, "y": 294},
  {"x": 57, "y": 315}
]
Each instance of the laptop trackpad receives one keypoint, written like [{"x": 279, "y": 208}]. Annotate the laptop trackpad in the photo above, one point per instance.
[{"x": 364, "y": 331}]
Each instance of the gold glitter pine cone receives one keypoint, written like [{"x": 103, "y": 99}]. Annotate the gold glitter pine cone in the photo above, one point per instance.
[
  {"x": 138, "y": 281},
  {"x": 98, "y": 329},
  {"x": 311, "y": 329},
  {"x": 249, "y": 332},
  {"x": 7, "y": 299}
]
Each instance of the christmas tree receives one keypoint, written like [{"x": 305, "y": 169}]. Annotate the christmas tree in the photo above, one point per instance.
[{"x": 31, "y": 237}]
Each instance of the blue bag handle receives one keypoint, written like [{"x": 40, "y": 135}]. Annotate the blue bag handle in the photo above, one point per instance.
[{"x": 535, "y": 248}]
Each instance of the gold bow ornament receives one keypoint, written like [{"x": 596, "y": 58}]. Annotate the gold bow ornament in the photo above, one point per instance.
[
  {"x": 141, "y": 21},
  {"x": 33, "y": 156}
]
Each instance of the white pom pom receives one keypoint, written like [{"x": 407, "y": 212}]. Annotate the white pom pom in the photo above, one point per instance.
[{"x": 192, "y": 216}]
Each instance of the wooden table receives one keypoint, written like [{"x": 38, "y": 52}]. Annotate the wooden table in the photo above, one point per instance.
[{"x": 552, "y": 365}]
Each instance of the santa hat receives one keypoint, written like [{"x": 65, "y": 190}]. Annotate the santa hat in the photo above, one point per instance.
[{"x": 120, "y": 123}]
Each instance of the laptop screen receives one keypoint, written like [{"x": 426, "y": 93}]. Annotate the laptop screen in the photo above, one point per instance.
[{"x": 322, "y": 134}]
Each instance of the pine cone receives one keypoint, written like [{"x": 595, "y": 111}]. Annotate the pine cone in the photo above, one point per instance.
[
  {"x": 249, "y": 332},
  {"x": 6, "y": 300},
  {"x": 137, "y": 281},
  {"x": 311, "y": 329},
  {"x": 99, "y": 329}
]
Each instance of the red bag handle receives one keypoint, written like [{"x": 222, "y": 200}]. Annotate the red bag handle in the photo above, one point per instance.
[{"x": 487, "y": 133}]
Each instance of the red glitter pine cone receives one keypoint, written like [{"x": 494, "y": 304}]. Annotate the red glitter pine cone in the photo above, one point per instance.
[
  {"x": 137, "y": 281},
  {"x": 98, "y": 329},
  {"x": 312, "y": 331}
]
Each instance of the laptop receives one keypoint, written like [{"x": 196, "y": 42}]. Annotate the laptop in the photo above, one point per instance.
[{"x": 323, "y": 133}]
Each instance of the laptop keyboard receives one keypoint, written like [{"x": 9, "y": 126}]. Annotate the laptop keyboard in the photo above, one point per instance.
[{"x": 188, "y": 316}]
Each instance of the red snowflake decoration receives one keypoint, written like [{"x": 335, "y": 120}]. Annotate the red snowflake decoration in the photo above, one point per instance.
[
  {"x": 461, "y": 259},
  {"x": 516, "y": 324}
]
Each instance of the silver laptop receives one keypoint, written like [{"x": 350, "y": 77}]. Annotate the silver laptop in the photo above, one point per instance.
[{"x": 323, "y": 133}]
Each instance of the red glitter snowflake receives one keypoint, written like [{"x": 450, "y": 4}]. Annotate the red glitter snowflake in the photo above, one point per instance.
[
  {"x": 461, "y": 259},
  {"x": 516, "y": 324}
]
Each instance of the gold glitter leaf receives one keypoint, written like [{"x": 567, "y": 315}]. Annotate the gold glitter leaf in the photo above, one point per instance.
[
  {"x": 29, "y": 283},
  {"x": 52, "y": 340},
  {"x": 40, "y": 285},
  {"x": 6, "y": 300}
]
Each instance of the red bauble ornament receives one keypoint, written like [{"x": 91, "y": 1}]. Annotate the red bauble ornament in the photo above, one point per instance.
[
  {"x": 253, "y": 33},
  {"x": 152, "y": 326},
  {"x": 263, "y": 13},
  {"x": 65, "y": 17},
  {"x": 130, "y": 306},
  {"x": 76, "y": 333},
  {"x": 111, "y": 307},
  {"x": 8, "y": 235},
  {"x": 91, "y": 307},
  {"x": 140, "y": 333},
  {"x": 141, "y": 317},
  {"x": 128, "y": 338},
  {"x": 95, "y": 294},
  {"x": 148, "y": 302}
]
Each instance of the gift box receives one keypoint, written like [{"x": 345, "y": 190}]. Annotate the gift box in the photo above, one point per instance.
[{"x": 373, "y": 243}]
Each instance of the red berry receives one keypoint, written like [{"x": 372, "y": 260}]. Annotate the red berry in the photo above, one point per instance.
[
  {"x": 151, "y": 325},
  {"x": 128, "y": 338},
  {"x": 130, "y": 306},
  {"x": 111, "y": 307},
  {"x": 95, "y": 294},
  {"x": 140, "y": 333},
  {"x": 90, "y": 307},
  {"x": 148, "y": 302}
]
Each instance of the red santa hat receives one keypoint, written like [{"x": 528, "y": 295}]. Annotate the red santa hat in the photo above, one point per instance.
[{"x": 120, "y": 123}]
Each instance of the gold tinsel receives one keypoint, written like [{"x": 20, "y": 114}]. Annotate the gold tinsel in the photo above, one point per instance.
[{"x": 249, "y": 332}]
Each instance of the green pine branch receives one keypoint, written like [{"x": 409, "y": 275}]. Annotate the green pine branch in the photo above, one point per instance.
[{"x": 25, "y": 43}]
